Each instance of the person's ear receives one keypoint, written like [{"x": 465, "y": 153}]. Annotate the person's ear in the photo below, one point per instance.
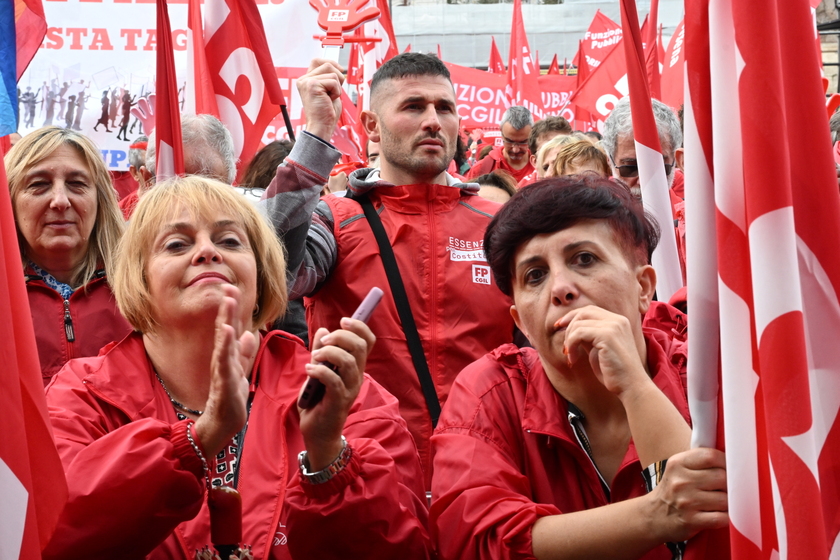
[
  {"x": 533, "y": 159},
  {"x": 646, "y": 276},
  {"x": 679, "y": 158},
  {"x": 370, "y": 122},
  {"x": 518, "y": 320}
]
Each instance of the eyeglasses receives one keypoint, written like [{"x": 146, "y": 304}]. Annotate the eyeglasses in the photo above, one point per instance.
[
  {"x": 632, "y": 170},
  {"x": 509, "y": 142}
]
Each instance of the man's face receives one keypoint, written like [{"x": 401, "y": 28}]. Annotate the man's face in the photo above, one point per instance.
[
  {"x": 416, "y": 125},
  {"x": 515, "y": 144},
  {"x": 625, "y": 159}
]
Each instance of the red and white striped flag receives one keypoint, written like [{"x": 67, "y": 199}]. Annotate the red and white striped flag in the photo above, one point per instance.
[
  {"x": 200, "y": 98},
  {"x": 776, "y": 232},
  {"x": 31, "y": 476},
  {"x": 652, "y": 178},
  {"x": 496, "y": 65},
  {"x": 169, "y": 147}
]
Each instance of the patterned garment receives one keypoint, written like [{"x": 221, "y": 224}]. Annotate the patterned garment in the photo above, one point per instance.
[
  {"x": 63, "y": 289},
  {"x": 224, "y": 467}
]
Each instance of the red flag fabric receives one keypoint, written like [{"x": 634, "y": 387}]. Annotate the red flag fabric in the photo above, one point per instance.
[
  {"x": 407, "y": 48},
  {"x": 780, "y": 363},
  {"x": 346, "y": 137},
  {"x": 557, "y": 91},
  {"x": 200, "y": 98},
  {"x": 375, "y": 54},
  {"x": 652, "y": 51},
  {"x": 354, "y": 61},
  {"x": 30, "y": 29},
  {"x": 439, "y": 54},
  {"x": 169, "y": 147},
  {"x": 480, "y": 96},
  {"x": 523, "y": 87},
  {"x": 496, "y": 65},
  {"x": 554, "y": 67},
  {"x": 31, "y": 474},
  {"x": 598, "y": 92},
  {"x": 236, "y": 48},
  {"x": 652, "y": 179},
  {"x": 673, "y": 71},
  {"x": 599, "y": 40}
]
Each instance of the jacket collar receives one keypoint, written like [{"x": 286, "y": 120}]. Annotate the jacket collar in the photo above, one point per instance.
[
  {"x": 545, "y": 411},
  {"x": 129, "y": 382},
  {"x": 363, "y": 180}
]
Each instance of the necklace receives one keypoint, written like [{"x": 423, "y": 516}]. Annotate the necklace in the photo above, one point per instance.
[{"x": 176, "y": 403}]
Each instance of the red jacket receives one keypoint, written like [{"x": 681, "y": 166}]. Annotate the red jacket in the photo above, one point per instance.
[
  {"x": 437, "y": 235},
  {"x": 91, "y": 310},
  {"x": 505, "y": 455},
  {"x": 496, "y": 160},
  {"x": 136, "y": 486}
]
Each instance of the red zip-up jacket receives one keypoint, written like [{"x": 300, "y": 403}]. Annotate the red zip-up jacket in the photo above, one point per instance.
[
  {"x": 88, "y": 321},
  {"x": 437, "y": 234},
  {"x": 505, "y": 454},
  {"x": 137, "y": 489}
]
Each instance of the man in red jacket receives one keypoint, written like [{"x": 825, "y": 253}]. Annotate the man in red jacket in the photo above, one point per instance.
[
  {"x": 513, "y": 156},
  {"x": 434, "y": 225}
]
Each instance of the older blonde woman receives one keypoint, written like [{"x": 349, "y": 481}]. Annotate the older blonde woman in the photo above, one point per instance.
[
  {"x": 68, "y": 224},
  {"x": 199, "y": 398}
]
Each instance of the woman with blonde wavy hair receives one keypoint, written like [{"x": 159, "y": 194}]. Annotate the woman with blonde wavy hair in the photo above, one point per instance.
[
  {"x": 160, "y": 432},
  {"x": 68, "y": 225}
]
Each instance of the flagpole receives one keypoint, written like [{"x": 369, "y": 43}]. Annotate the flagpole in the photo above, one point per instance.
[{"x": 289, "y": 130}]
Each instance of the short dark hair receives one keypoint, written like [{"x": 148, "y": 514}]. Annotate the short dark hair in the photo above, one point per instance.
[
  {"x": 558, "y": 203},
  {"x": 263, "y": 167},
  {"x": 500, "y": 179},
  {"x": 553, "y": 123},
  {"x": 409, "y": 64}
]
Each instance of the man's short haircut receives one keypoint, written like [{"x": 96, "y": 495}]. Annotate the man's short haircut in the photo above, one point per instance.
[
  {"x": 408, "y": 64},
  {"x": 205, "y": 139},
  {"x": 552, "y": 124},
  {"x": 620, "y": 123},
  {"x": 137, "y": 156},
  {"x": 518, "y": 117},
  {"x": 559, "y": 203}
]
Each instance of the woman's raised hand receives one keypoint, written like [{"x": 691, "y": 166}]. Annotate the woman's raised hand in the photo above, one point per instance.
[
  {"x": 234, "y": 351},
  {"x": 346, "y": 349}
]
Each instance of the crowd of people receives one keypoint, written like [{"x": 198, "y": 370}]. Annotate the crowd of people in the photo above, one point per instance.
[{"x": 519, "y": 392}]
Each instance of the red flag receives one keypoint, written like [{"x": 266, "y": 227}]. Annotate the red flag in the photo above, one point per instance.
[
  {"x": 604, "y": 87},
  {"x": 31, "y": 475},
  {"x": 375, "y": 54},
  {"x": 200, "y": 98},
  {"x": 673, "y": 72},
  {"x": 407, "y": 48},
  {"x": 537, "y": 63},
  {"x": 481, "y": 96},
  {"x": 496, "y": 65},
  {"x": 652, "y": 179},
  {"x": 30, "y": 29},
  {"x": 523, "y": 87},
  {"x": 598, "y": 42},
  {"x": 652, "y": 51},
  {"x": 439, "y": 55},
  {"x": 557, "y": 90},
  {"x": 554, "y": 67},
  {"x": 169, "y": 148},
  {"x": 780, "y": 363},
  {"x": 236, "y": 48},
  {"x": 346, "y": 138}
]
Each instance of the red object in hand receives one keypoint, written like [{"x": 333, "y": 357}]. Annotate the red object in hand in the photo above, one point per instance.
[
  {"x": 338, "y": 17},
  {"x": 225, "y": 516}
]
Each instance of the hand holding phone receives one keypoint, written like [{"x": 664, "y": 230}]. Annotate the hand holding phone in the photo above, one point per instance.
[{"x": 314, "y": 390}]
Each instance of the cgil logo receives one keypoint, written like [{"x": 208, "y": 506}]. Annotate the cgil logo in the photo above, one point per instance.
[{"x": 481, "y": 274}]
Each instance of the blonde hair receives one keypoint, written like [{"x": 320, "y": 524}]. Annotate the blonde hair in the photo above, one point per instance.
[
  {"x": 108, "y": 226},
  {"x": 580, "y": 153},
  {"x": 205, "y": 198}
]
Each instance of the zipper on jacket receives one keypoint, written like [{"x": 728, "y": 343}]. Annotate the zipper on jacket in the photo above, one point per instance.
[
  {"x": 433, "y": 317},
  {"x": 69, "y": 332},
  {"x": 576, "y": 421}
]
